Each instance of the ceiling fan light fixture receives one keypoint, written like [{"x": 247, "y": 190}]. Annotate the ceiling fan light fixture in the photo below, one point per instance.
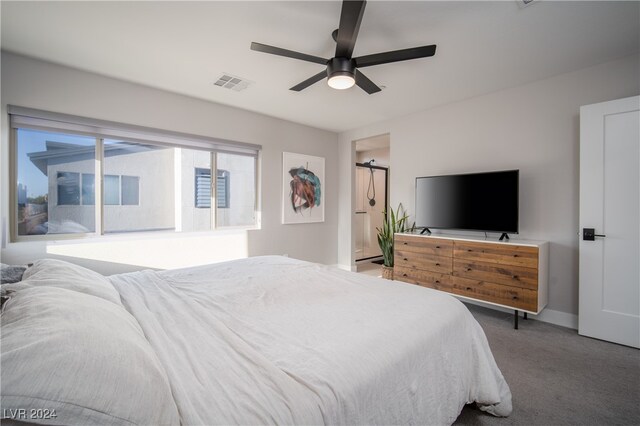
[
  {"x": 341, "y": 80},
  {"x": 341, "y": 72}
]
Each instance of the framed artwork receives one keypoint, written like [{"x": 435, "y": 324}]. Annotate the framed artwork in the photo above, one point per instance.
[{"x": 302, "y": 188}]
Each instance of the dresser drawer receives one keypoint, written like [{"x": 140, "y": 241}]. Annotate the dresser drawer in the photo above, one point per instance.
[
  {"x": 504, "y": 254},
  {"x": 517, "y": 276},
  {"x": 424, "y": 245},
  {"x": 420, "y": 277},
  {"x": 411, "y": 260},
  {"x": 518, "y": 298}
]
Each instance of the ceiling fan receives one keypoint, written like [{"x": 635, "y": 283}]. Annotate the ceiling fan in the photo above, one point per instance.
[{"x": 343, "y": 70}]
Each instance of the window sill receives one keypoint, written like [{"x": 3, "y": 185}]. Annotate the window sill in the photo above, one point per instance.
[
  {"x": 157, "y": 250},
  {"x": 131, "y": 236}
]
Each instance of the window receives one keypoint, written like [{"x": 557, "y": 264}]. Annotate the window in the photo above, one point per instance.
[
  {"x": 148, "y": 180},
  {"x": 68, "y": 188},
  {"x": 88, "y": 189},
  {"x": 111, "y": 190},
  {"x": 130, "y": 188},
  {"x": 119, "y": 190}
]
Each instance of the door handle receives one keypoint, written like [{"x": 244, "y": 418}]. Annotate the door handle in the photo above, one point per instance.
[{"x": 589, "y": 234}]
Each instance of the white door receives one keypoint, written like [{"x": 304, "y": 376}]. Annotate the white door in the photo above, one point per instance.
[{"x": 610, "y": 205}]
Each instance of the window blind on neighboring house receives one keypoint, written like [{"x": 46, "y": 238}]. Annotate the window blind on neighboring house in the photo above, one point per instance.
[
  {"x": 203, "y": 189},
  {"x": 222, "y": 189}
]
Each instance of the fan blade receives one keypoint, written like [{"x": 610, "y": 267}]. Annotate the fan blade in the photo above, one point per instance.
[
  {"x": 259, "y": 47},
  {"x": 350, "y": 19},
  {"x": 308, "y": 82},
  {"x": 395, "y": 56},
  {"x": 366, "y": 84}
]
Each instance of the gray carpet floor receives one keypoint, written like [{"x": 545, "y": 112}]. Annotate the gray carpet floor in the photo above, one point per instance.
[{"x": 558, "y": 377}]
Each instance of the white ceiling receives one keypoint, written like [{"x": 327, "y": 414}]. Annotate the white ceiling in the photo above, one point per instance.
[{"x": 183, "y": 47}]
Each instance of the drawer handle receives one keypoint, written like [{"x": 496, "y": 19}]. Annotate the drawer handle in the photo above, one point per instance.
[
  {"x": 468, "y": 288},
  {"x": 437, "y": 264},
  {"x": 515, "y": 297},
  {"x": 515, "y": 277},
  {"x": 404, "y": 275},
  {"x": 515, "y": 255},
  {"x": 437, "y": 246},
  {"x": 468, "y": 269},
  {"x": 437, "y": 282},
  {"x": 469, "y": 250},
  {"x": 405, "y": 259},
  {"x": 405, "y": 243}
]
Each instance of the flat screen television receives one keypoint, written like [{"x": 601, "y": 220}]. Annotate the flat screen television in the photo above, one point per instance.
[{"x": 474, "y": 201}]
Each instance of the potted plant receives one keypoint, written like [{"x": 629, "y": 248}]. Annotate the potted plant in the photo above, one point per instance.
[{"x": 393, "y": 222}]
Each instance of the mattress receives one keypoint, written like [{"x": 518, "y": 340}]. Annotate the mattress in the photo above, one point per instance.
[{"x": 274, "y": 340}]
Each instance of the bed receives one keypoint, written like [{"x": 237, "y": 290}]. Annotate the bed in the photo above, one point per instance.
[{"x": 263, "y": 340}]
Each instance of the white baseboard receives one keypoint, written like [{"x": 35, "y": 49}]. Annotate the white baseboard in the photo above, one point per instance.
[
  {"x": 558, "y": 318},
  {"x": 550, "y": 316},
  {"x": 351, "y": 268}
]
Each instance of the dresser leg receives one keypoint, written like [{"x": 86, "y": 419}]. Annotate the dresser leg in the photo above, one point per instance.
[
  {"x": 515, "y": 319},
  {"x": 525, "y": 315}
]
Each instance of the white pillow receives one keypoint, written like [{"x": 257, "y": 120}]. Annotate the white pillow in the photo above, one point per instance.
[
  {"x": 81, "y": 358},
  {"x": 58, "y": 273}
]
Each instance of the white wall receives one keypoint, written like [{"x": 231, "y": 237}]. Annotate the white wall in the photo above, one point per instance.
[
  {"x": 534, "y": 128},
  {"x": 32, "y": 83}
]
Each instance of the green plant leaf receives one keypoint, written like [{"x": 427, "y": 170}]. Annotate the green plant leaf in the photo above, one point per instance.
[{"x": 393, "y": 222}]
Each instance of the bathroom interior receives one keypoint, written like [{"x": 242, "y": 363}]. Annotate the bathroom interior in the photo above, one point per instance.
[{"x": 371, "y": 200}]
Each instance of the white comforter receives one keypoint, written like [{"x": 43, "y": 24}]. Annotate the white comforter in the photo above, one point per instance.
[{"x": 272, "y": 340}]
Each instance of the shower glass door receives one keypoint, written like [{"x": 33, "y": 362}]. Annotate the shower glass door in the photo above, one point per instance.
[{"x": 371, "y": 201}]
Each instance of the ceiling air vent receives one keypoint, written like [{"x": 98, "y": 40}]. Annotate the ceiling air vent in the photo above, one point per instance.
[{"x": 232, "y": 82}]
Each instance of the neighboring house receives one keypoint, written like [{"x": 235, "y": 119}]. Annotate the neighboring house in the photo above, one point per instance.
[{"x": 140, "y": 189}]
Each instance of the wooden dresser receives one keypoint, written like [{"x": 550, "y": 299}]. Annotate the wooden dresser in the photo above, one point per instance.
[{"x": 508, "y": 274}]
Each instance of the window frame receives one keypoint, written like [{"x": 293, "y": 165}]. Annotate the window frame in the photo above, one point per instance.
[{"x": 99, "y": 204}]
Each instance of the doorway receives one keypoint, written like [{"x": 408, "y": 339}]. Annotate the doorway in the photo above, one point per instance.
[{"x": 371, "y": 195}]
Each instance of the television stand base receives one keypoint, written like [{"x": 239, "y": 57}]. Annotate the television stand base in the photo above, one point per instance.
[
  {"x": 515, "y": 318},
  {"x": 425, "y": 230},
  {"x": 503, "y": 236}
]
